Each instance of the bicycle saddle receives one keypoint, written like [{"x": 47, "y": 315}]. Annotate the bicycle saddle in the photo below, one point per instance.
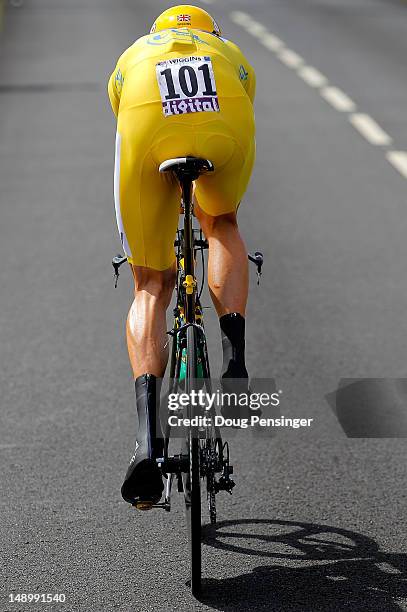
[{"x": 190, "y": 167}]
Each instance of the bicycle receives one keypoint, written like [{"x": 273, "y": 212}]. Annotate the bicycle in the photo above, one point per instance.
[{"x": 203, "y": 455}]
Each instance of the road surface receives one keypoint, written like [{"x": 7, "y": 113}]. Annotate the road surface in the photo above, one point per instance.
[{"x": 317, "y": 519}]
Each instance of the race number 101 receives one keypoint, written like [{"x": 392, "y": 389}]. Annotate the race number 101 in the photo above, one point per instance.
[
  {"x": 188, "y": 81},
  {"x": 187, "y": 85}
]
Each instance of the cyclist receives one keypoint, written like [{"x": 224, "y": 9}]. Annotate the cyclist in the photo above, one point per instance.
[{"x": 181, "y": 90}]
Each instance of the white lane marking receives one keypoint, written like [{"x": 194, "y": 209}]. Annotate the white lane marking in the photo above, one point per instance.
[
  {"x": 338, "y": 99},
  {"x": 207, "y": 1},
  {"x": 398, "y": 160},
  {"x": 255, "y": 28},
  {"x": 290, "y": 58},
  {"x": 312, "y": 76},
  {"x": 369, "y": 129},
  {"x": 272, "y": 42},
  {"x": 240, "y": 18}
]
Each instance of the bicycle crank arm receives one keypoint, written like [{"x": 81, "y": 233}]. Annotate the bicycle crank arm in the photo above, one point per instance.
[
  {"x": 174, "y": 465},
  {"x": 165, "y": 505}
]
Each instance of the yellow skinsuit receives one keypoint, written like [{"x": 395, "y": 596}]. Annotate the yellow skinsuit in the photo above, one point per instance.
[{"x": 176, "y": 93}]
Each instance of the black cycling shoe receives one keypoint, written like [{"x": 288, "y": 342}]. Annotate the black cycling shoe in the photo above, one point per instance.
[
  {"x": 143, "y": 486},
  {"x": 234, "y": 378}
]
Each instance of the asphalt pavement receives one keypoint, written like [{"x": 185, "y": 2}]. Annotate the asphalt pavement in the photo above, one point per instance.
[{"x": 317, "y": 519}]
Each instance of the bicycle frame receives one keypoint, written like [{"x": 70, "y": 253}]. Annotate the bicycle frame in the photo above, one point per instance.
[
  {"x": 189, "y": 262},
  {"x": 201, "y": 456}
]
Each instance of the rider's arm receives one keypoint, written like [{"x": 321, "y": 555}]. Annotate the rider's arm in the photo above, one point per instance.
[
  {"x": 117, "y": 79},
  {"x": 250, "y": 84},
  {"x": 246, "y": 72},
  {"x": 113, "y": 95},
  {"x": 115, "y": 86}
]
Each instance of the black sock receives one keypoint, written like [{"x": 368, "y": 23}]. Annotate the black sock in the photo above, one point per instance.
[
  {"x": 233, "y": 343},
  {"x": 147, "y": 402}
]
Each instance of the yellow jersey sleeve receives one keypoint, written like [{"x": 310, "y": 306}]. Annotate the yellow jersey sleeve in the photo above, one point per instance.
[
  {"x": 114, "y": 95},
  {"x": 114, "y": 87},
  {"x": 251, "y": 84},
  {"x": 245, "y": 71},
  {"x": 116, "y": 81}
]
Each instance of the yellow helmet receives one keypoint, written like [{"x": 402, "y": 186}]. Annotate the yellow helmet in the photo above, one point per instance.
[{"x": 186, "y": 16}]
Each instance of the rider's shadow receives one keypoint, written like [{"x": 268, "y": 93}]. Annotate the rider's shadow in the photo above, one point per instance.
[{"x": 314, "y": 567}]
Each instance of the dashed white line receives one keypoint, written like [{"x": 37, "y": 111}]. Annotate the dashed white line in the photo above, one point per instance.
[
  {"x": 398, "y": 159},
  {"x": 369, "y": 129},
  {"x": 290, "y": 58},
  {"x": 255, "y": 28},
  {"x": 272, "y": 42},
  {"x": 338, "y": 99},
  {"x": 312, "y": 76},
  {"x": 240, "y": 18}
]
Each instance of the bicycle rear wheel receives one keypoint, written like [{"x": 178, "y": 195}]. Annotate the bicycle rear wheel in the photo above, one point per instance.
[{"x": 192, "y": 489}]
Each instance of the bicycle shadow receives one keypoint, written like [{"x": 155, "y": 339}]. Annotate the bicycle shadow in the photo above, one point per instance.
[{"x": 315, "y": 567}]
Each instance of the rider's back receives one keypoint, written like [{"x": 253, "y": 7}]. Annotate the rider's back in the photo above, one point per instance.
[
  {"x": 178, "y": 92},
  {"x": 133, "y": 87}
]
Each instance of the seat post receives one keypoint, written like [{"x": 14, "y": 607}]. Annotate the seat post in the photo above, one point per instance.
[
  {"x": 186, "y": 187},
  {"x": 187, "y": 170}
]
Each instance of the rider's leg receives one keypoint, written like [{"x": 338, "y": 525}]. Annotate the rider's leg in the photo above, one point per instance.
[
  {"x": 228, "y": 278},
  {"x": 147, "y": 338},
  {"x": 228, "y": 274}
]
